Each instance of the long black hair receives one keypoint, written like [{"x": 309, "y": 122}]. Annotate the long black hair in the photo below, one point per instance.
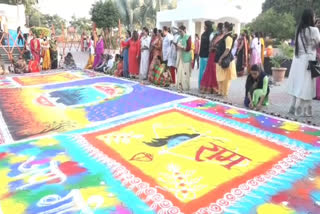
[
  {"x": 307, "y": 20},
  {"x": 208, "y": 24},
  {"x": 220, "y": 27},
  {"x": 129, "y": 33}
]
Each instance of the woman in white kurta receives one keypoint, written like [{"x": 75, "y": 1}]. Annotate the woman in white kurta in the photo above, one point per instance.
[
  {"x": 301, "y": 86},
  {"x": 145, "y": 54},
  {"x": 172, "y": 59},
  {"x": 184, "y": 60}
]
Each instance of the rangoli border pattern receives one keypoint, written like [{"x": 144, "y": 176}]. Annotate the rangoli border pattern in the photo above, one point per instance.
[
  {"x": 301, "y": 155},
  {"x": 148, "y": 194},
  {"x": 304, "y": 156}
]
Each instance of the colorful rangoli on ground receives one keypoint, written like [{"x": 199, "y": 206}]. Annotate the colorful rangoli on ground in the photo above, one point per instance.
[{"x": 92, "y": 144}]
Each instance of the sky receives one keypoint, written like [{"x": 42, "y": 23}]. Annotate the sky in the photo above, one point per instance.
[{"x": 81, "y": 8}]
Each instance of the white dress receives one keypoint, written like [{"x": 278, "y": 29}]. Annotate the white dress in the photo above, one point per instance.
[
  {"x": 166, "y": 46},
  {"x": 145, "y": 54},
  {"x": 255, "y": 58},
  {"x": 300, "y": 84},
  {"x": 172, "y": 57}
]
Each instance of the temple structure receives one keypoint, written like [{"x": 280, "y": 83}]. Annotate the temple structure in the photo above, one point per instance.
[{"x": 193, "y": 13}]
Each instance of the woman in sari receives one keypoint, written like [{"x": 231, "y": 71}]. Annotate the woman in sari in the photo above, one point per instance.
[
  {"x": 91, "y": 54},
  {"x": 20, "y": 66},
  {"x": 161, "y": 76},
  {"x": 53, "y": 52},
  {"x": 145, "y": 54},
  {"x": 184, "y": 60},
  {"x": 225, "y": 75},
  {"x": 69, "y": 62},
  {"x": 99, "y": 52},
  {"x": 35, "y": 48},
  {"x": 119, "y": 71},
  {"x": 46, "y": 65},
  {"x": 34, "y": 66},
  {"x": 209, "y": 82},
  {"x": 242, "y": 55},
  {"x": 134, "y": 54},
  {"x": 155, "y": 51},
  {"x": 112, "y": 70},
  {"x": 125, "y": 55},
  {"x": 206, "y": 38}
]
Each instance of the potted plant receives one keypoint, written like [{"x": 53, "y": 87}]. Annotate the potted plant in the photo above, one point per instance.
[{"x": 285, "y": 55}]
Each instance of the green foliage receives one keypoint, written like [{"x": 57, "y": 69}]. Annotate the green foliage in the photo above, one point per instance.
[
  {"x": 280, "y": 26},
  {"x": 16, "y": 2},
  {"x": 34, "y": 20},
  {"x": 41, "y": 31},
  {"x": 57, "y": 21},
  {"x": 105, "y": 14},
  {"x": 293, "y": 7},
  {"x": 140, "y": 13},
  {"x": 81, "y": 24},
  {"x": 286, "y": 52}
]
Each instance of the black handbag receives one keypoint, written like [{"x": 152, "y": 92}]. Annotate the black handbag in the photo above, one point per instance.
[
  {"x": 314, "y": 67},
  {"x": 225, "y": 62}
]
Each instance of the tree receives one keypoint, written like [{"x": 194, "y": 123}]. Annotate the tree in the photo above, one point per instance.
[
  {"x": 32, "y": 14},
  {"x": 55, "y": 20},
  {"x": 280, "y": 26},
  {"x": 129, "y": 10},
  {"x": 81, "y": 24},
  {"x": 293, "y": 7},
  {"x": 105, "y": 14},
  {"x": 140, "y": 13},
  {"x": 34, "y": 20}
]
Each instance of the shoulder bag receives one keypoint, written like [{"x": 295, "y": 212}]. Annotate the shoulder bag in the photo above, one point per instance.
[{"x": 314, "y": 67}]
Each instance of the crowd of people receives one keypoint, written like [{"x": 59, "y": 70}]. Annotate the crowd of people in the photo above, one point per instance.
[
  {"x": 39, "y": 53},
  {"x": 169, "y": 55}
]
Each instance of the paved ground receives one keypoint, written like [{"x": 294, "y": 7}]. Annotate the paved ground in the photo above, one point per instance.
[{"x": 279, "y": 99}]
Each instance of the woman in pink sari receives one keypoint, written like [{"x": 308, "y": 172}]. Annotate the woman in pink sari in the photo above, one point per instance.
[
  {"x": 99, "y": 52},
  {"x": 155, "y": 51},
  {"x": 209, "y": 82}
]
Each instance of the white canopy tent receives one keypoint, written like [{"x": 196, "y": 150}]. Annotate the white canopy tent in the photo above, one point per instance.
[{"x": 193, "y": 14}]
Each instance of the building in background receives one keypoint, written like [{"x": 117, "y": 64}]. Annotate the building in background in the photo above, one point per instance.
[
  {"x": 193, "y": 14},
  {"x": 12, "y": 16}
]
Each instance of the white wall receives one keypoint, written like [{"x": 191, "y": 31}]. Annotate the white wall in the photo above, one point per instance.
[
  {"x": 15, "y": 15},
  {"x": 190, "y": 12}
]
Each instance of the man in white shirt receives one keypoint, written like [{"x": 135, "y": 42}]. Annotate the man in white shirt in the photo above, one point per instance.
[{"x": 166, "y": 44}]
